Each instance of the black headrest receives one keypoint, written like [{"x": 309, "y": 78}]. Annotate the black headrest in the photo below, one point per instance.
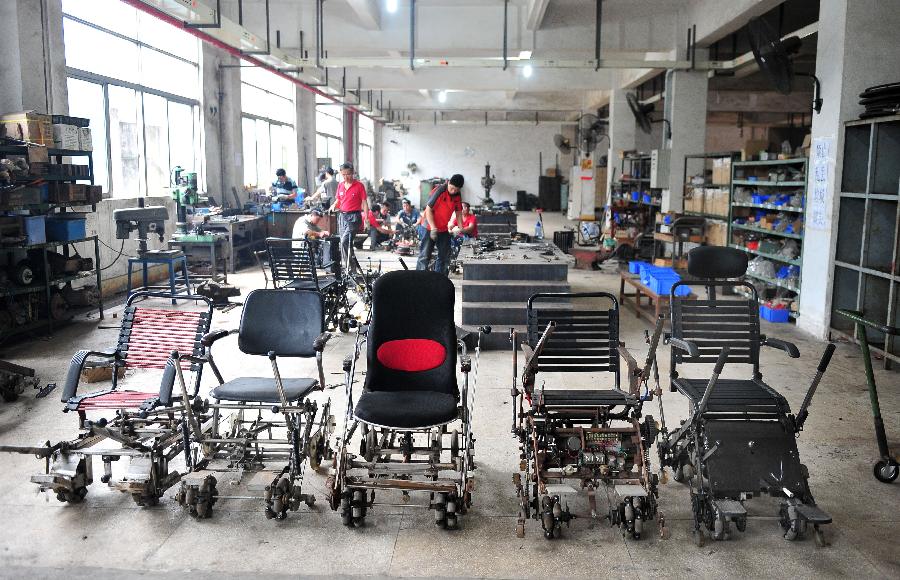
[
  {"x": 284, "y": 321},
  {"x": 715, "y": 262}
]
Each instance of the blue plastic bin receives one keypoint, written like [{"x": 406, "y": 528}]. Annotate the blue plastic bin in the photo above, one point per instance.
[
  {"x": 66, "y": 229},
  {"x": 777, "y": 315},
  {"x": 35, "y": 229},
  {"x": 645, "y": 270},
  {"x": 635, "y": 195},
  {"x": 662, "y": 282},
  {"x": 634, "y": 267},
  {"x": 647, "y": 198},
  {"x": 758, "y": 199}
]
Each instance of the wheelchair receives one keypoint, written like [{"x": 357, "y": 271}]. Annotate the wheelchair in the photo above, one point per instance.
[
  {"x": 414, "y": 420},
  {"x": 583, "y": 439},
  {"x": 150, "y": 427},
  {"x": 295, "y": 266},
  {"x": 740, "y": 438},
  {"x": 268, "y": 426}
]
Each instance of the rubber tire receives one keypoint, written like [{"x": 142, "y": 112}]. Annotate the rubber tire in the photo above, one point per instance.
[
  {"x": 886, "y": 470},
  {"x": 343, "y": 325}
]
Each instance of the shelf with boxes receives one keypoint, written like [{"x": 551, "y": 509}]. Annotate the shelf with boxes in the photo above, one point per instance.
[
  {"x": 633, "y": 202},
  {"x": 766, "y": 220},
  {"x": 39, "y": 259}
]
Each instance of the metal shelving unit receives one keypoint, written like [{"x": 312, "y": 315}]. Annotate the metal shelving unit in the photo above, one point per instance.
[
  {"x": 638, "y": 212},
  {"x": 745, "y": 174},
  {"x": 866, "y": 272},
  {"x": 705, "y": 164},
  {"x": 48, "y": 283}
]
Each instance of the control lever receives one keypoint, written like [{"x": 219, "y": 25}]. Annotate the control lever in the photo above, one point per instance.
[{"x": 820, "y": 370}]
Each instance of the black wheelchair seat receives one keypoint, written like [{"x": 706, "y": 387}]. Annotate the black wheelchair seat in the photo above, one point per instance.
[
  {"x": 324, "y": 284},
  {"x": 585, "y": 398},
  {"x": 263, "y": 390},
  {"x": 406, "y": 409},
  {"x": 747, "y": 396}
]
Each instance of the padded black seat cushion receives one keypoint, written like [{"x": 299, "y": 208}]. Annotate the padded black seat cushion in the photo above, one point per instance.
[
  {"x": 263, "y": 390},
  {"x": 405, "y": 409},
  {"x": 733, "y": 395},
  {"x": 585, "y": 398}
]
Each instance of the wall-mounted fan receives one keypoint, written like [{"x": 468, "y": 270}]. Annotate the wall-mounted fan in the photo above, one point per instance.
[
  {"x": 563, "y": 144},
  {"x": 642, "y": 117},
  {"x": 589, "y": 131},
  {"x": 774, "y": 57}
]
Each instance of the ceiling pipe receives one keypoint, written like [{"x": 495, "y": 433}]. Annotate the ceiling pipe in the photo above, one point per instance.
[
  {"x": 597, "y": 35},
  {"x": 505, "y": 33},
  {"x": 139, "y": 5},
  {"x": 412, "y": 35}
]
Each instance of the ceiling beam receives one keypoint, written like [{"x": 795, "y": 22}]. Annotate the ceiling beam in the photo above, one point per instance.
[
  {"x": 536, "y": 11},
  {"x": 367, "y": 12}
]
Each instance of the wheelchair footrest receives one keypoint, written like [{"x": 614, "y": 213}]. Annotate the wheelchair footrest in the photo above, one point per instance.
[
  {"x": 630, "y": 490},
  {"x": 813, "y": 514},
  {"x": 729, "y": 508},
  {"x": 559, "y": 488}
]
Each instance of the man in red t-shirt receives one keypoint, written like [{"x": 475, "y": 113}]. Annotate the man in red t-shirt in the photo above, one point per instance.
[
  {"x": 469, "y": 228},
  {"x": 351, "y": 200},
  {"x": 378, "y": 220},
  {"x": 445, "y": 202}
]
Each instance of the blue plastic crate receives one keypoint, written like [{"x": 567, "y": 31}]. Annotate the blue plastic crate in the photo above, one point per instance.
[
  {"x": 35, "y": 229},
  {"x": 758, "y": 199},
  {"x": 645, "y": 270},
  {"x": 661, "y": 283},
  {"x": 634, "y": 267},
  {"x": 777, "y": 315},
  {"x": 647, "y": 198},
  {"x": 67, "y": 229},
  {"x": 635, "y": 195}
]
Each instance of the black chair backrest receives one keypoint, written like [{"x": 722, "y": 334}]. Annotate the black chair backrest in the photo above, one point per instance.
[
  {"x": 585, "y": 340},
  {"x": 412, "y": 336},
  {"x": 284, "y": 321},
  {"x": 291, "y": 260},
  {"x": 713, "y": 323}
]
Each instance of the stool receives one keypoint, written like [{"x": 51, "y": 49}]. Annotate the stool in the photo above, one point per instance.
[{"x": 162, "y": 258}]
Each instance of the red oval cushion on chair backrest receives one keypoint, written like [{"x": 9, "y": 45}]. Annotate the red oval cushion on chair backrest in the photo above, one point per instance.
[{"x": 412, "y": 354}]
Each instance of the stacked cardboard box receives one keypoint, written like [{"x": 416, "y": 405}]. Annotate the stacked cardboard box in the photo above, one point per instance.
[
  {"x": 27, "y": 126},
  {"x": 721, "y": 172},
  {"x": 716, "y": 233}
]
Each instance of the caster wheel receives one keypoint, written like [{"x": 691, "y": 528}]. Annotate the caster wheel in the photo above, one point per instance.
[
  {"x": 452, "y": 522},
  {"x": 741, "y": 523},
  {"x": 819, "y": 535},
  {"x": 886, "y": 470},
  {"x": 359, "y": 522},
  {"x": 664, "y": 533},
  {"x": 520, "y": 530},
  {"x": 677, "y": 474},
  {"x": 548, "y": 534},
  {"x": 344, "y": 325}
]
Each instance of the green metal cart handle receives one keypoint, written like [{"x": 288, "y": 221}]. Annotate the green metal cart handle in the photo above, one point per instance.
[{"x": 857, "y": 317}]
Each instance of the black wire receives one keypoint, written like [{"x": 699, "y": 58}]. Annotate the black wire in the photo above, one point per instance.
[{"x": 121, "y": 253}]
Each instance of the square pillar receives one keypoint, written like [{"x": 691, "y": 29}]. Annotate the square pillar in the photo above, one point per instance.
[
  {"x": 221, "y": 116},
  {"x": 621, "y": 133},
  {"x": 686, "y": 97}
]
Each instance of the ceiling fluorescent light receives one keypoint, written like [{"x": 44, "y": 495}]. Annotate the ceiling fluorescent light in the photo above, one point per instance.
[
  {"x": 442, "y": 97},
  {"x": 524, "y": 54},
  {"x": 391, "y": 5}
]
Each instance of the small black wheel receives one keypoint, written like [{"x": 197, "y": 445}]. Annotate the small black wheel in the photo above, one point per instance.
[
  {"x": 9, "y": 396},
  {"x": 886, "y": 470},
  {"x": 741, "y": 523},
  {"x": 452, "y": 522},
  {"x": 344, "y": 325}
]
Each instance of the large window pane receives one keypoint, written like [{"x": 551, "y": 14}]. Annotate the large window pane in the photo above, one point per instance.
[
  {"x": 98, "y": 52},
  {"x": 156, "y": 131},
  {"x": 365, "y": 168},
  {"x": 125, "y": 142},
  {"x": 248, "y": 127},
  {"x": 181, "y": 136},
  {"x": 110, "y": 14},
  {"x": 164, "y": 36},
  {"x": 86, "y": 100},
  {"x": 264, "y": 170},
  {"x": 167, "y": 74}
]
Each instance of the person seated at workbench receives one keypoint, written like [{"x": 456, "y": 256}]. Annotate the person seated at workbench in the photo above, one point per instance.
[
  {"x": 379, "y": 221},
  {"x": 310, "y": 226},
  {"x": 469, "y": 228},
  {"x": 284, "y": 189}
]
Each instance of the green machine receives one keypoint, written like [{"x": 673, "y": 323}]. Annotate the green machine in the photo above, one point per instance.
[{"x": 184, "y": 192}]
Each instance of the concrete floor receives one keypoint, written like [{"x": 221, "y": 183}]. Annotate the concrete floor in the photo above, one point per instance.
[{"x": 108, "y": 534}]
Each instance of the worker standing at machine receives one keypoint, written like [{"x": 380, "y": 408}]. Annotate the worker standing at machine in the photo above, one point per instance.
[
  {"x": 351, "y": 200},
  {"x": 469, "y": 227},
  {"x": 284, "y": 189},
  {"x": 326, "y": 191},
  {"x": 445, "y": 201}
]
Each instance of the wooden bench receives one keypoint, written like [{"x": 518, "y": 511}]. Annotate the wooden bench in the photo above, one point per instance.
[{"x": 656, "y": 306}]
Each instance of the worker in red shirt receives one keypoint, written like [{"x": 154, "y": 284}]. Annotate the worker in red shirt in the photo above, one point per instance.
[
  {"x": 469, "y": 227},
  {"x": 351, "y": 200},
  {"x": 445, "y": 202}
]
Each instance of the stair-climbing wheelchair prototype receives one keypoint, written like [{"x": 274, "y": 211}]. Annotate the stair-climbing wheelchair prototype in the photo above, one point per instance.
[
  {"x": 150, "y": 427},
  {"x": 268, "y": 426},
  {"x": 740, "y": 437},
  {"x": 413, "y": 416},
  {"x": 297, "y": 265},
  {"x": 583, "y": 439}
]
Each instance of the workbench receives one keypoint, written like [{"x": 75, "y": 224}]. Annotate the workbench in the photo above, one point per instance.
[
  {"x": 213, "y": 246},
  {"x": 243, "y": 232},
  {"x": 657, "y": 305}
]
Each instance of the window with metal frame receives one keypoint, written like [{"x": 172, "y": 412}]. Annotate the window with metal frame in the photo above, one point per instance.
[
  {"x": 137, "y": 79},
  {"x": 268, "y": 107},
  {"x": 329, "y": 131}
]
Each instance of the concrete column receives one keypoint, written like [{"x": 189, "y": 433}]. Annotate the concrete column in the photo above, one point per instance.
[
  {"x": 686, "y": 98},
  {"x": 858, "y": 46},
  {"x": 621, "y": 133},
  {"x": 33, "y": 67},
  {"x": 221, "y": 112},
  {"x": 306, "y": 139}
]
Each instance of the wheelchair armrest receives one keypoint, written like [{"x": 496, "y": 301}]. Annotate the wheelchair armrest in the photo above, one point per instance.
[
  {"x": 73, "y": 377},
  {"x": 788, "y": 347},
  {"x": 321, "y": 341},
  {"x": 687, "y": 346},
  {"x": 529, "y": 352},
  {"x": 210, "y": 337},
  {"x": 634, "y": 372}
]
